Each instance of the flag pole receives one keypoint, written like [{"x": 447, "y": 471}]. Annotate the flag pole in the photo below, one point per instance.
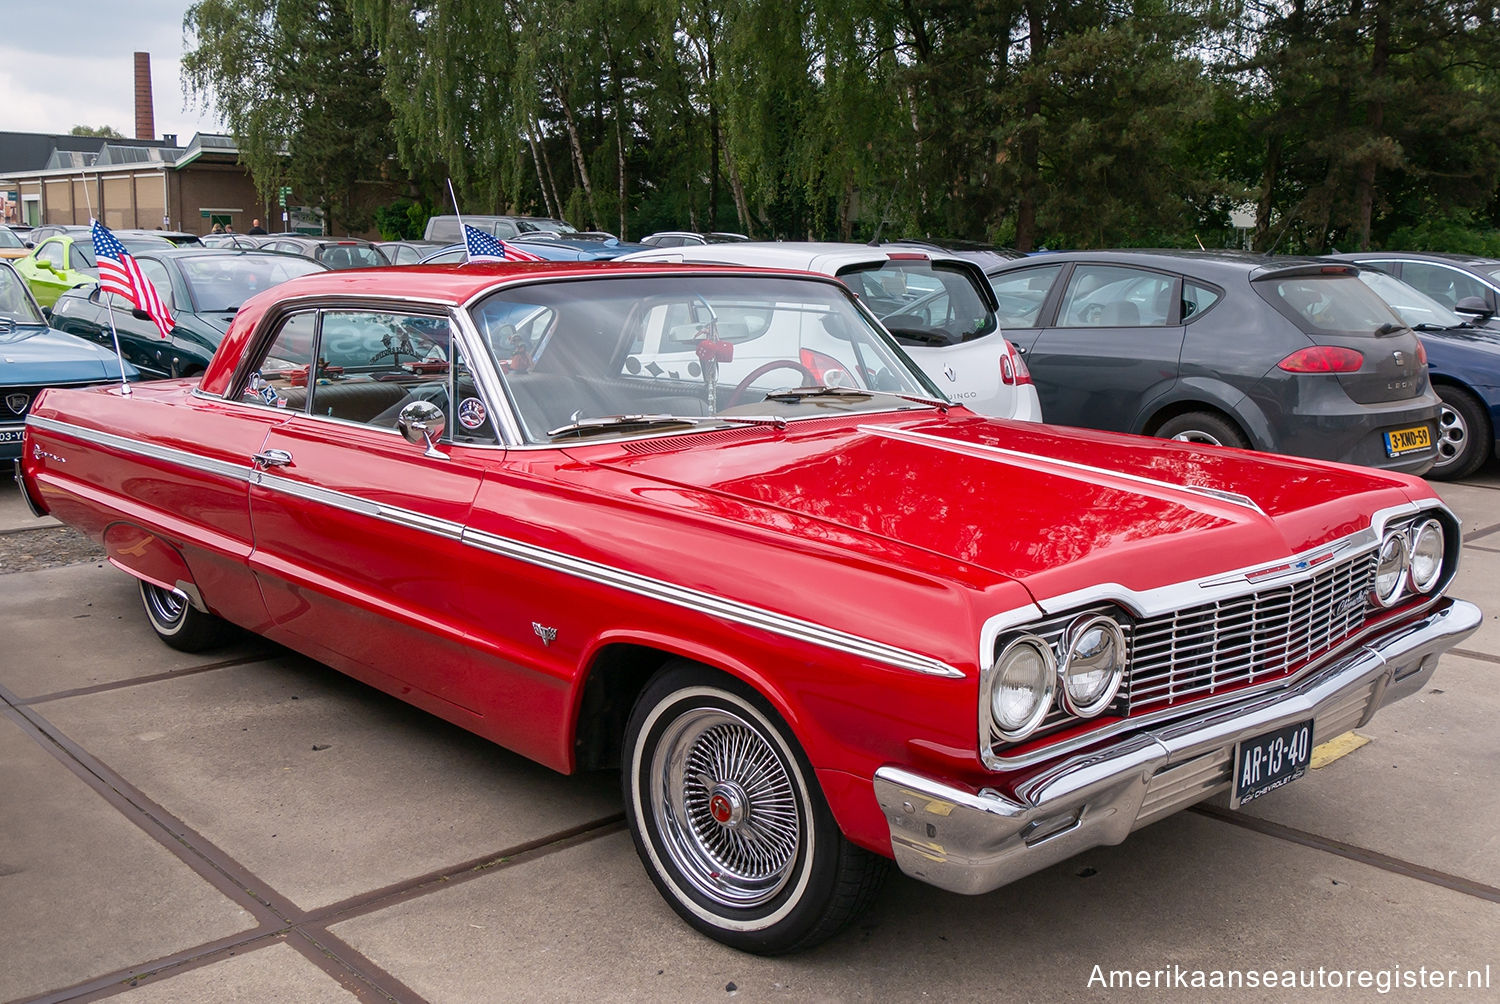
[
  {"x": 109, "y": 307},
  {"x": 461, "y": 231}
]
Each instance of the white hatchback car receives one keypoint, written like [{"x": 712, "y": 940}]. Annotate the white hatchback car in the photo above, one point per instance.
[{"x": 938, "y": 306}]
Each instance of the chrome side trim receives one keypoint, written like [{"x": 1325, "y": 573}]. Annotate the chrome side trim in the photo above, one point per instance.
[
  {"x": 1067, "y": 467},
  {"x": 692, "y": 599},
  {"x": 182, "y": 458},
  {"x": 641, "y": 585}
]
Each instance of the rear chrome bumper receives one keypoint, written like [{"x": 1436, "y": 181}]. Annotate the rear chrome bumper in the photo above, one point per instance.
[{"x": 974, "y": 842}]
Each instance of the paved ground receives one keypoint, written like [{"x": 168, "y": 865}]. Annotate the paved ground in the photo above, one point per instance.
[{"x": 251, "y": 826}]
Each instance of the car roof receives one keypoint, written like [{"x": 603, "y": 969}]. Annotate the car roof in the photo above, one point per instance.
[
  {"x": 1436, "y": 256},
  {"x": 813, "y": 256},
  {"x": 1198, "y": 262},
  {"x": 178, "y": 252}
]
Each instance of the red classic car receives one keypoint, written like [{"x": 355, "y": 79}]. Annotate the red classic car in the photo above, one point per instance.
[{"x": 818, "y": 619}]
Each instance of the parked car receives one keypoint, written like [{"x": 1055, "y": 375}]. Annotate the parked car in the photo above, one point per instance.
[
  {"x": 36, "y": 235},
  {"x": 446, "y": 229},
  {"x": 579, "y": 246},
  {"x": 34, "y": 356},
  {"x": 201, "y": 287},
  {"x": 1463, "y": 363},
  {"x": 682, "y": 238},
  {"x": 61, "y": 261},
  {"x": 407, "y": 252},
  {"x": 1467, "y": 284},
  {"x": 11, "y": 245},
  {"x": 335, "y": 252},
  {"x": 178, "y": 238},
  {"x": 938, "y": 306},
  {"x": 812, "y": 628},
  {"x": 986, "y": 256},
  {"x": 1286, "y": 355},
  {"x": 247, "y": 242}
]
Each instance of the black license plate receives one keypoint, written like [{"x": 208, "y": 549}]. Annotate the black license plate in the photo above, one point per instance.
[
  {"x": 1271, "y": 760},
  {"x": 11, "y": 435}
]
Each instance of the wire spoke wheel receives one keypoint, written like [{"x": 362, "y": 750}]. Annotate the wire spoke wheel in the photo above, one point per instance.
[{"x": 725, "y": 807}]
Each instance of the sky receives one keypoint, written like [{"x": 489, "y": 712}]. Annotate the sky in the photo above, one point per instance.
[{"x": 65, "y": 63}]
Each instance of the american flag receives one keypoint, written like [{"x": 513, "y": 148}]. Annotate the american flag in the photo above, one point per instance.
[
  {"x": 119, "y": 273},
  {"x": 487, "y": 247}
]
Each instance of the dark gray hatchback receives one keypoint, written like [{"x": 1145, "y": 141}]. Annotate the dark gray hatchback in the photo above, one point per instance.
[{"x": 1287, "y": 355}]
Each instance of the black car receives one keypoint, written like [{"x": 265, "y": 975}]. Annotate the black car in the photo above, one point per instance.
[
  {"x": 335, "y": 252},
  {"x": 1464, "y": 283},
  {"x": 1287, "y": 355},
  {"x": 202, "y": 287}
]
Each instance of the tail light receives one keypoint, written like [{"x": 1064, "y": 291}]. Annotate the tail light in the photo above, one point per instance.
[
  {"x": 1013, "y": 371},
  {"x": 826, "y": 370},
  {"x": 1421, "y": 353},
  {"x": 1323, "y": 359}
]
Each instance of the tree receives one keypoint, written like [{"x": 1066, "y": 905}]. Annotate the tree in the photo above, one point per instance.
[
  {"x": 300, "y": 90},
  {"x": 108, "y": 132}
]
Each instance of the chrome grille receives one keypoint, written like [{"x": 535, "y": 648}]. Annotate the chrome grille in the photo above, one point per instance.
[{"x": 1202, "y": 650}]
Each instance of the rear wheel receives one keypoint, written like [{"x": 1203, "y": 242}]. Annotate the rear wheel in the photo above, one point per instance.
[
  {"x": 1203, "y": 427},
  {"x": 1463, "y": 443},
  {"x": 729, "y": 820},
  {"x": 176, "y": 622}
]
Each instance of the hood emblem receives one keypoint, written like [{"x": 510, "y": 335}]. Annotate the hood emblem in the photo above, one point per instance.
[{"x": 17, "y": 402}]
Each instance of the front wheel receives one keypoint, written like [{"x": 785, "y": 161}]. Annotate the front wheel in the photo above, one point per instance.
[
  {"x": 729, "y": 821},
  {"x": 1463, "y": 435},
  {"x": 176, "y": 622}
]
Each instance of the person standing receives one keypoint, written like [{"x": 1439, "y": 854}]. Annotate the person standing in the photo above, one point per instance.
[{"x": 255, "y": 227}]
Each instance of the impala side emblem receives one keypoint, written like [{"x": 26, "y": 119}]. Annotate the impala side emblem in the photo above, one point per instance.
[
  {"x": 547, "y": 634},
  {"x": 37, "y": 453},
  {"x": 17, "y": 402}
]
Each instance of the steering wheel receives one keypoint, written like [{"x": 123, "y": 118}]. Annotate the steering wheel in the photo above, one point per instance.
[
  {"x": 762, "y": 370},
  {"x": 1093, "y": 313}
]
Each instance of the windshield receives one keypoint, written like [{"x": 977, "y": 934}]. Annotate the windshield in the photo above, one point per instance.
[
  {"x": 532, "y": 224},
  {"x": 16, "y": 304},
  {"x": 135, "y": 245},
  {"x": 708, "y": 348},
  {"x": 1334, "y": 303},
  {"x": 921, "y": 302},
  {"x": 1415, "y": 307},
  {"x": 8, "y": 239},
  {"x": 223, "y": 282}
]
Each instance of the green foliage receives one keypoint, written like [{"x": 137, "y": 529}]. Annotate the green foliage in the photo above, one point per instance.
[
  {"x": 108, "y": 132},
  {"x": 1086, "y": 123},
  {"x": 402, "y": 220}
]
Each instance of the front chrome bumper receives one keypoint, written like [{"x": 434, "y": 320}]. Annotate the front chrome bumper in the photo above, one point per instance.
[{"x": 975, "y": 842}]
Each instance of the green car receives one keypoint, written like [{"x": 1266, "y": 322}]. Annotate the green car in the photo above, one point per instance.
[
  {"x": 202, "y": 287},
  {"x": 63, "y": 261}
]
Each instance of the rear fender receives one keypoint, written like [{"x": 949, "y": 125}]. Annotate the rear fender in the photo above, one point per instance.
[
  {"x": 1200, "y": 393},
  {"x": 139, "y": 552}
]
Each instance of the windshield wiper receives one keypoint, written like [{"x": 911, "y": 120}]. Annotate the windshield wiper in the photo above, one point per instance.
[
  {"x": 802, "y": 393},
  {"x": 611, "y": 423},
  {"x": 1389, "y": 328}
]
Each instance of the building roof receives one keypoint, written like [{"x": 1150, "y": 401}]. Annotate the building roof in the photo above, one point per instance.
[{"x": 37, "y": 151}]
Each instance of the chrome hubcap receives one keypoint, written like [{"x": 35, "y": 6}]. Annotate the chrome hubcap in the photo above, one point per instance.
[
  {"x": 724, "y": 808},
  {"x": 1453, "y": 436},
  {"x": 166, "y": 607},
  {"x": 1196, "y": 436}
]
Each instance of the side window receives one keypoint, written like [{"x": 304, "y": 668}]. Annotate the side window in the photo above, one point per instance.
[
  {"x": 505, "y": 230},
  {"x": 372, "y": 364},
  {"x": 51, "y": 252},
  {"x": 1443, "y": 284},
  {"x": 1197, "y": 299},
  {"x": 157, "y": 273},
  {"x": 469, "y": 418},
  {"x": 281, "y": 379},
  {"x": 1115, "y": 297},
  {"x": 1021, "y": 294},
  {"x": 79, "y": 258}
]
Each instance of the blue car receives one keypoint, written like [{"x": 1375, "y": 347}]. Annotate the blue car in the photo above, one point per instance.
[
  {"x": 1463, "y": 362},
  {"x": 34, "y": 356},
  {"x": 588, "y": 246}
]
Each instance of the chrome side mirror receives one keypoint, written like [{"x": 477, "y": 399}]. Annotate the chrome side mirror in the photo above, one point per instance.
[{"x": 423, "y": 422}]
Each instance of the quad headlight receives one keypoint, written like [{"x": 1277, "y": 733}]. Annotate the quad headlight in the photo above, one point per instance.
[
  {"x": 1390, "y": 569},
  {"x": 1427, "y": 546},
  {"x": 1093, "y": 665},
  {"x": 1024, "y": 683}
]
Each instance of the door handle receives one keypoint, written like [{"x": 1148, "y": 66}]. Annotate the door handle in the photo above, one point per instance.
[{"x": 272, "y": 458}]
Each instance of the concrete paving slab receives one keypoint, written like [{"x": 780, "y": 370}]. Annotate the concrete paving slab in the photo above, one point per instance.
[
  {"x": 1476, "y": 503},
  {"x": 274, "y": 975},
  {"x": 83, "y": 891},
  {"x": 82, "y": 626},
  {"x": 14, "y": 515},
  {"x": 1432, "y": 769},
  {"x": 585, "y": 923},
  {"x": 324, "y": 788}
]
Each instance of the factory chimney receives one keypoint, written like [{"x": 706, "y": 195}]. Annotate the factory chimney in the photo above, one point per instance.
[{"x": 145, "y": 118}]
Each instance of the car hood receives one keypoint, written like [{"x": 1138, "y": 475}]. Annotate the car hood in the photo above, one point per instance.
[
  {"x": 1059, "y": 510},
  {"x": 33, "y": 354}
]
